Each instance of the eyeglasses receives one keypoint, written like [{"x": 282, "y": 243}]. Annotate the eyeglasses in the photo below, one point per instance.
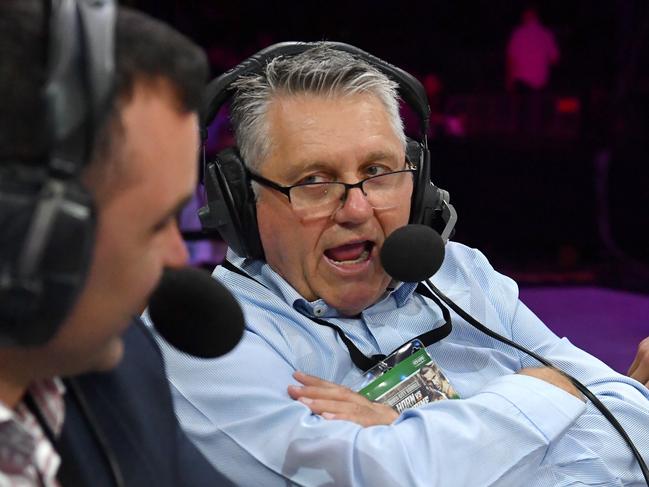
[{"x": 317, "y": 200}]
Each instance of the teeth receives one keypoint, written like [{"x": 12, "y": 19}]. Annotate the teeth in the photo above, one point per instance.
[{"x": 361, "y": 258}]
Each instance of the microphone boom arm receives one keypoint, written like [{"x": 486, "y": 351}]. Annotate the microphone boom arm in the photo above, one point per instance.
[{"x": 449, "y": 215}]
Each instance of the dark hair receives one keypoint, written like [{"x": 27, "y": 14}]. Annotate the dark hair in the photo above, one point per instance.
[
  {"x": 145, "y": 50},
  {"x": 149, "y": 49}
]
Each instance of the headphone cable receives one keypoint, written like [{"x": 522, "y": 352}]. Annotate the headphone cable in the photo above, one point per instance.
[{"x": 582, "y": 388}]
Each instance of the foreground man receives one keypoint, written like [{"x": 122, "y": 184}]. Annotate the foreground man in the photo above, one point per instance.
[
  {"x": 134, "y": 155},
  {"x": 326, "y": 116}
]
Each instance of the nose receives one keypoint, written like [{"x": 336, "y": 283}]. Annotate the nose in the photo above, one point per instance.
[
  {"x": 176, "y": 254},
  {"x": 354, "y": 209}
]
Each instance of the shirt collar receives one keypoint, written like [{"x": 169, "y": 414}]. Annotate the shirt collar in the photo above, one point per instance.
[
  {"x": 48, "y": 396},
  {"x": 262, "y": 272},
  {"x": 22, "y": 436}
]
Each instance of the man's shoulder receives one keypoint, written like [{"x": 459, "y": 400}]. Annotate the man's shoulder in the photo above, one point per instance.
[
  {"x": 133, "y": 409},
  {"x": 141, "y": 352},
  {"x": 459, "y": 254},
  {"x": 466, "y": 268},
  {"x": 141, "y": 368},
  {"x": 141, "y": 374}
]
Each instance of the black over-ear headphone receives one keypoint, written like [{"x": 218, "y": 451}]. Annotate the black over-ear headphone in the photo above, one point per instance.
[
  {"x": 47, "y": 217},
  {"x": 230, "y": 208}
]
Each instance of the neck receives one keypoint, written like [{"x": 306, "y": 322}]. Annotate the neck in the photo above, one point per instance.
[{"x": 14, "y": 378}]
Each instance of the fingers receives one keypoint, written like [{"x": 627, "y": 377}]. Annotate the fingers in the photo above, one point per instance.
[
  {"x": 323, "y": 396},
  {"x": 310, "y": 380},
  {"x": 639, "y": 369},
  {"x": 333, "y": 401},
  {"x": 332, "y": 408},
  {"x": 378, "y": 414},
  {"x": 361, "y": 411},
  {"x": 334, "y": 393},
  {"x": 634, "y": 366},
  {"x": 642, "y": 374}
]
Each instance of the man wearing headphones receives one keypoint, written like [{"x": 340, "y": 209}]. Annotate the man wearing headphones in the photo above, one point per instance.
[
  {"x": 328, "y": 176},
  {"x": 96, "y": 160}
]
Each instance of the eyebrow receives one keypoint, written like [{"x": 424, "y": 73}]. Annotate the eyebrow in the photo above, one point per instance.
[
  {"x": 180, "y": 205},
  {"x": 174, "y": 211},
  {"x": 296, "y": 171},
  {"x": 379, "y": 155}
]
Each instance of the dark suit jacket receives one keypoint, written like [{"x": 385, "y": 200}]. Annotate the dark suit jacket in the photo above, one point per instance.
[{"x": 133, "y": 410}]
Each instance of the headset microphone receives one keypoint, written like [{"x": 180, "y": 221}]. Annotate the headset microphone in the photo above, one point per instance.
[
  {"x": 412, "y": 253},
  {"x": 404, "y": 257},
  {"x": 212, "y": 321}
]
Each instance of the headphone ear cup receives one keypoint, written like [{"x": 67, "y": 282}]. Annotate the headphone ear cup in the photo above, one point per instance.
[
  {"x": 47, "y": 217},
  {"x": 231, "y": 207},
  {"x": 426, "y": 197},
  {"x": 46, "y": 264}
]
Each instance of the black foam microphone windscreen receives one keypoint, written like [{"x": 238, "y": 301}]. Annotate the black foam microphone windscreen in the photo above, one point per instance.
[
  {"x": 195, "y": 313},
  {"x": 412, "y": 253}
]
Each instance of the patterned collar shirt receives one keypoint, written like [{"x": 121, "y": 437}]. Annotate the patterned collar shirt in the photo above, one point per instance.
[{"x": 27, "y": 457}]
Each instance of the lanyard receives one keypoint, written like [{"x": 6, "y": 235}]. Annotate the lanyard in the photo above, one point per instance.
[{"x": 361, "y": 360}]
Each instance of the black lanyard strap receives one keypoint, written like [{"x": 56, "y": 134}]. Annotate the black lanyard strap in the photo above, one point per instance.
[{"x": 361, "y": 360}]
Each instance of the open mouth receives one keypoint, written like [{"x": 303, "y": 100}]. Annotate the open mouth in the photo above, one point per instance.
[{"x": 353, "y": 253}]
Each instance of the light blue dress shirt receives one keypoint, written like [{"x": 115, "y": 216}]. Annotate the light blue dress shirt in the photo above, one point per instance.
[{"x": 507, "y": 430}]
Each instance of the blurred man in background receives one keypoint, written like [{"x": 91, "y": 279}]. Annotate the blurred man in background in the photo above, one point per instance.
[{"x": 531, "y": 51}]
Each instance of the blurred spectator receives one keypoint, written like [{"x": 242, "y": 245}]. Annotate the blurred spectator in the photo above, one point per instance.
[{"x": 531, "y": 51}]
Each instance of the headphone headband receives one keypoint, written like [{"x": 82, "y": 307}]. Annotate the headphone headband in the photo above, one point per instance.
[
  {"x": 80, "y": 82},
  {"x": 217, "y": 91}
]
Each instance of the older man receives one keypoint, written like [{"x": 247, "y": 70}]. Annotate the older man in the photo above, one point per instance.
[{"x": 326, "y": 154}]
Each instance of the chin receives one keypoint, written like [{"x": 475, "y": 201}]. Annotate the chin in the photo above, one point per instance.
[{"x": 109, "y": 356}]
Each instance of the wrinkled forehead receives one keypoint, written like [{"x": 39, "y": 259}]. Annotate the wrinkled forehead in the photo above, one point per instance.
[
  {"x": 330, "y": 114},
  {"x": 296, "y": 102},
  {"x": 318, "y": 129}
]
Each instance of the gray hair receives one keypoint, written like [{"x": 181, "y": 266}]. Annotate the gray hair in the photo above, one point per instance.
[{"x": 321, "y": 71}]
